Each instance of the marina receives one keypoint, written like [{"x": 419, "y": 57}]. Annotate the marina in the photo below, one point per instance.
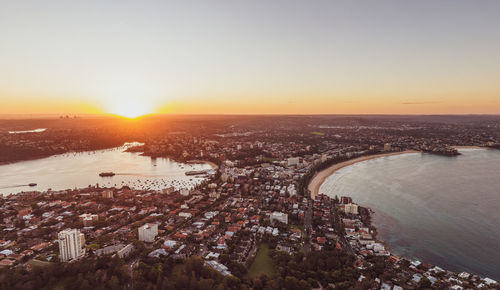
[{"x": 106, "y": 168}]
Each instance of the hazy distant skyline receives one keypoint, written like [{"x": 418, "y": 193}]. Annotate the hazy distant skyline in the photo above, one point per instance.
[{"x": 257, "y": 57}]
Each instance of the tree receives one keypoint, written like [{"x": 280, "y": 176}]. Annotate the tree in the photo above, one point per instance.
[
  {"x": 194, "y": 265},
  {"x": 114, "y": 283},
  {"x": 85, "y": 285},
  {"x": 425, "y": 283},
  {"x": 291, "y": 282},
  {"x": 231, "y": 282}
]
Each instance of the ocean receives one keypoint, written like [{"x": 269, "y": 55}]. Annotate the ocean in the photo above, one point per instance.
[{"x": 440, "y": 210}]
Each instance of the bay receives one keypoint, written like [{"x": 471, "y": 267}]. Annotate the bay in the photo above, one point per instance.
[
  {"x": 77, "y": 170},
  {"x": 441, "y": 210}
]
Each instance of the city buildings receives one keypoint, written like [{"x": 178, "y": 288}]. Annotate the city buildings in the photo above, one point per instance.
[
  {"x": 184, "y": 192},
  {"x": 71, "y": 244},
  {"x": 279, "y": 216},
  {"x": 230, "y": 213},
  {"x": 107, "y": 194},
  {"x": 125, "y": 251},
  {"x": 87, "y": 219},
  {"x": 345, "y": 200},
  {"x": 148, "y": 232},
  {"x": 351, "y": 208},
  {"x": 293, "y": 161}
]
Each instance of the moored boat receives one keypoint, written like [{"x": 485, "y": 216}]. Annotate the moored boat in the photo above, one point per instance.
[{"x": 106, "y": 174}]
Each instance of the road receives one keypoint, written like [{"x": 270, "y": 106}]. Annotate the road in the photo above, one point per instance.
[
  {"x": 308, "y": 227},
  {"x": 337, "y": 222},
  {"x": 131, "y": 266}
]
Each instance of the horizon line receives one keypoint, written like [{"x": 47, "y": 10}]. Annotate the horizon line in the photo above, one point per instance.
[{"x": 71, "y": 115}]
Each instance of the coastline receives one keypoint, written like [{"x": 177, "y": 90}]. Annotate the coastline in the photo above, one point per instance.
[
  {"x": 469, "y": 147},
  {"x": 321, "y": 176},
  {"x": 33, "y": 158},
  {"x": 409, "y": 256},
  {"x": 213, "y": 165},
  {"x": 43, "y": 156}
]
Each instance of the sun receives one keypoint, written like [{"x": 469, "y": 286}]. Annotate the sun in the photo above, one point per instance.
[{"x": 131, "y": 108}]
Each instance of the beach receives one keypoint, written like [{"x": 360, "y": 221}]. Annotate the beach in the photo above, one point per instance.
[
  {"x": 213, "y": 165},
  {"x": 427, "y": 195},
  {"x": 469, "y": 147},
  {"x": 321, "y": 176}
]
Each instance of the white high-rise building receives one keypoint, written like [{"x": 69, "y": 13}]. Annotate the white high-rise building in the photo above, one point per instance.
[
  {"x": 148, "y": 232},
  {"x": 71, "y": 244}
]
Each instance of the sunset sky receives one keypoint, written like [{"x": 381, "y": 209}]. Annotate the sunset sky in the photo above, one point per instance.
[{"x": 252, "y": 57}]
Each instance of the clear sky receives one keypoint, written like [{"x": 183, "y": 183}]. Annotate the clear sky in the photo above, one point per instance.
[{"x": 254, "y": 56}]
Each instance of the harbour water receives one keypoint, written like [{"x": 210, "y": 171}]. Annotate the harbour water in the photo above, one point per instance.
[
  {"x": 76, "y": 170},
  {"x": 40, "y": 130},
  {"x": 440, "y": 210}
]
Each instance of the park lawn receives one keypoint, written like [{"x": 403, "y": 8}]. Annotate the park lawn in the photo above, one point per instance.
[
  {"x": 38, "y": 263},
  {"x": 93, "y": 246},
  {"x": 318, "y": 133},
  {"x": 263, "y": 264},
  {"x": 268, "y": 159}
]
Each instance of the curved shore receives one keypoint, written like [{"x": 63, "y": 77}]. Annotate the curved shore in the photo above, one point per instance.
[
  {"x": 212, "y": 164},
  {"x": 321, "y": 176},
  {"x": 469, "y": 147}
]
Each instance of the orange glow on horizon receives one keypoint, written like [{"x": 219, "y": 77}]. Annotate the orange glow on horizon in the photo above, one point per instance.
[
  {"x": 134, "y": 107},
  {"x": 130, "y": 108}
]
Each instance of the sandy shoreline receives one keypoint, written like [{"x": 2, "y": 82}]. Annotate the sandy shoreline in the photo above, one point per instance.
[
  {"x": 468, "y": 147},
  {"x": 321, "y": 176},
  {"x": 214, "y": 166}
]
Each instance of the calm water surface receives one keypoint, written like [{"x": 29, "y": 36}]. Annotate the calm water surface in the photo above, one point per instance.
[
  {"x": 28, "y": 131},
  {"x": 441, "y": 210},
  {"x": 76, "y": 170}
]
